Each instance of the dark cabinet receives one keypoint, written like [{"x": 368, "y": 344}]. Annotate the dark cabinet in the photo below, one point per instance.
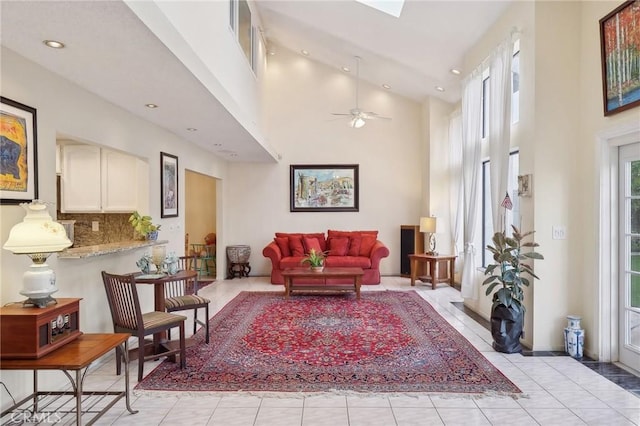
[{"x": 411, "y": 241}]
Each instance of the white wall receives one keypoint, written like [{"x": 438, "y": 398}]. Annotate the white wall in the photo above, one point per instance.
[
  {"x": 198, "y": 34},
  {"x": 560, "y": 120},
  {"x": 301, "y": 95},
  {"x": 65, "y": 109}
]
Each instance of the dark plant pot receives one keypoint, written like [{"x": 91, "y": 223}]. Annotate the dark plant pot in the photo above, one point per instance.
[
  {"x": 152, "y": 235},
  {"x": 506, "y": 329}
]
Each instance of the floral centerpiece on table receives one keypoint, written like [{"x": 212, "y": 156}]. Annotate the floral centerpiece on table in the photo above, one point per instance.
[{"x": 315, "y": 259}]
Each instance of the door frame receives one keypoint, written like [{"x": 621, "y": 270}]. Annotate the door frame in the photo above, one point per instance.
[{"x": 607, "y": 244}]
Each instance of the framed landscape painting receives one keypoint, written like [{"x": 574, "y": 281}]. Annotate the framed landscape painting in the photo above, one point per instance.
[
  {"x": 169, "y": 185},
  {"x": 620, "y": 50},
  {"x": 18, "y": 152},
  {"x": 324, "y": 188}
]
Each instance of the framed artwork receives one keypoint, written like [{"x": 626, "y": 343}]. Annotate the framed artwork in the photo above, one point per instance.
[
  {"x": 524, "y": 185},
  {"x": 324, "y": 188},
  {"x": 620, "y": 51},
  {"x": 168, "y": 185},
  {"x": 18, "y": 152}
]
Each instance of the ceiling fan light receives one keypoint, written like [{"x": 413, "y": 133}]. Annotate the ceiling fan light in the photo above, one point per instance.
[{"x": 357, "y": 122}]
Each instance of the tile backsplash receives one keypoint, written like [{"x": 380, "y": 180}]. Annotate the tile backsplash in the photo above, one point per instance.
[{"x": 112, "y": 228}]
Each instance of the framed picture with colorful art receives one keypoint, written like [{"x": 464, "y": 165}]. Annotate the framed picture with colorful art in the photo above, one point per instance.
[
  {"x": 620, "y": 50},
  {"x": 18, "y": 152},
  {"x": 168, "y": 185},
  {"x": 324, "y": 188}
]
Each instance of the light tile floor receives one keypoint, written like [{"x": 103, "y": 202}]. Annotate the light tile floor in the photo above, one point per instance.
[{"x": 559, "y": 389}]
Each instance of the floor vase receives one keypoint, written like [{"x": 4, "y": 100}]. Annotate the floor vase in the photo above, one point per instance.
[{"x": 574, "y": 337}]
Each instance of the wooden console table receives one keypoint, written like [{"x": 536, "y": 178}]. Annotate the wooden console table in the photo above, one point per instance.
[
  {"x": 76, "y": 356},
  {"x": 432, "y": 261},
  {"x": 304, "y": 273}
]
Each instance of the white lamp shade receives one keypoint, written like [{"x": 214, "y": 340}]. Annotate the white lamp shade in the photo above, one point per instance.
[
  {"x": 428, "y": 224},
  {"x": 37, "y": 233}
]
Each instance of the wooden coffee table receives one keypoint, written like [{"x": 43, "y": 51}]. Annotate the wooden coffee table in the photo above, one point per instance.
[{"x": 290, "y": 275}]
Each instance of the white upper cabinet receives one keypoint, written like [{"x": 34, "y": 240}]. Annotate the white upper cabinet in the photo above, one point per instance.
[
  {"x": 118, "y": 181},
  {"x": 99, "y": 180}
]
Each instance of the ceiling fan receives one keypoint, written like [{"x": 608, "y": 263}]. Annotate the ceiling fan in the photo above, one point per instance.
[{"x": 356, "y": 115}]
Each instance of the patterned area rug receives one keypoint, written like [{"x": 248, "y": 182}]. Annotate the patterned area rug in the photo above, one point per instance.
[{"x": 389, "y": 341}]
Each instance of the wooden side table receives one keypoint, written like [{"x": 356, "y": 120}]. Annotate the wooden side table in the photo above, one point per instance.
[
  {"x": 432, "y": 261},
  {"x": 76, "y": 356}
]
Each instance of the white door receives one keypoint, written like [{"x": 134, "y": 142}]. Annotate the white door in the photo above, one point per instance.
[{"x": 629, "y": 269}]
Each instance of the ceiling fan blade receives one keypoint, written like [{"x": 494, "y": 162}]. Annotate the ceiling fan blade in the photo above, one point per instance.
[
  {"x": 373, "y": 115},
  {"x": 338, "y": 113}
]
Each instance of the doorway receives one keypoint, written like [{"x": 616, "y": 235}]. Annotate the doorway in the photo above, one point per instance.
[
  {"x": 629, "y": 255},
  {"x": 200, "y": 211}
]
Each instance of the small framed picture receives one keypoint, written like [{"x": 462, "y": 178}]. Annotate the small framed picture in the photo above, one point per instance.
[
  {"x": 18, "y": 152},
  {"x": 168, "y": 185},
  {"x": 524, "y": 185}
]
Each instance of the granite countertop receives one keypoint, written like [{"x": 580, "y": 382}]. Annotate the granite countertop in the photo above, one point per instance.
[{"x": 102, "y": 249}]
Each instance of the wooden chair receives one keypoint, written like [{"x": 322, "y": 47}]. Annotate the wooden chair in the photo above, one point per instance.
[
  {"x": 183, "y": 295},
  {"x": 128, "y": 318},
  {"x": 205, "y": 258}
]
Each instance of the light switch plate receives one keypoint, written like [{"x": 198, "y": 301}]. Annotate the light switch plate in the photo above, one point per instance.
[
  {"x": 95, "y": 226},
  {"x": 559, "y": 232}
]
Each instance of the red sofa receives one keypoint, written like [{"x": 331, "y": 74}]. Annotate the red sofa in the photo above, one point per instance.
[{"x": 345, "y": 249}]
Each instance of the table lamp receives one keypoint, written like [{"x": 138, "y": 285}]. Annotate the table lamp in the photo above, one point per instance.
[
  {"x": 428, "y": 226},
  {"x": 37, "y": 236}
]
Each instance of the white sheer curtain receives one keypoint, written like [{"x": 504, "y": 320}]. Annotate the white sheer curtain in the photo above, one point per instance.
[
  {"x": 471, "y": 138},
  {"x": 499, "y": 128},
  {"x": 456, "y": 199}
]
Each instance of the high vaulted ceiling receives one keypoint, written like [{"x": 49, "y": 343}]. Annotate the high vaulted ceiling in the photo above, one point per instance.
[{"x": 116, "y": 56}]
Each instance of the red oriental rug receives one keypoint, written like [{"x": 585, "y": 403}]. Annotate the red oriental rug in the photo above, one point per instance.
[{"x": 389, "y": 341}]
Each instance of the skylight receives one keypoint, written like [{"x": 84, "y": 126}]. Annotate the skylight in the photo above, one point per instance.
[{"x": 391, "y": 7}]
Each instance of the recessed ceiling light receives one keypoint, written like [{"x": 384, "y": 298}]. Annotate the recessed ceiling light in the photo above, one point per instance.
[
  {"x": 455, "y": 71},
  {"x": 386, "y": 86},
  {"x": 54, "y": 44},
  {"x": 305, "y": 52},
  {"x": 151, "y": 106},
  {"x": 346, "y": 69},
  {"x": 440, "y": 89},
  {"x": 192, "y": 129}
]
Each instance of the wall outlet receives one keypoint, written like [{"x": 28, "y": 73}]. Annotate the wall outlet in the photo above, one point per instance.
[
  {"x": 95, "y": 226},
  {"x": 559, "y": 232}
]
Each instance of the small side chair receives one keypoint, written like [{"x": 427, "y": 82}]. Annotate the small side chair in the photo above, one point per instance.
[
  {"x": 128, "y": 318},
  {"x": 183, "y": 295}
]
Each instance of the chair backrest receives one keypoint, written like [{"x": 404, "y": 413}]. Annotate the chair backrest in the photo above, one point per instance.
[
  {"x": 182, "y": 287},
  {"x": 123, "y": 300}
]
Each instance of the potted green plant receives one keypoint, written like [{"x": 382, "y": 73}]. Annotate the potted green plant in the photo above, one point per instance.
[
  {"x": 315, "y": 259},
  {"x": 144, "y": 226},
  {"x": 507, "y": 311}
]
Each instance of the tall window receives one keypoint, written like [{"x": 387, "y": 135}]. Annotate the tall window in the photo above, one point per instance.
[
  {"x": 511, "y": 217},
  {"x": 515, "y": 83},
  {"x": 241, "y": 24},
  {"x": 515, "y": 91}
]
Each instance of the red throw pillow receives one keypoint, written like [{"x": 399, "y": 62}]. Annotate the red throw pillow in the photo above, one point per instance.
[
  {"x": 295, "y": 244},
  {"x": 338, "y": 246},
  {"x": 368, "y": 241},
  {"x": 283, "y": 244},
  {"x": 311, "y": 243},
  {"x": 355, "y": 242}
]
